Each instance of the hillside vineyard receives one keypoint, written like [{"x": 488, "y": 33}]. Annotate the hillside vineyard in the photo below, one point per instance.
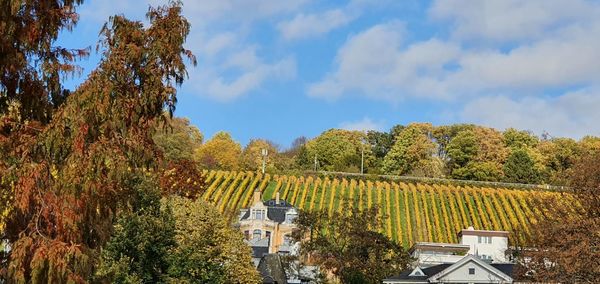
[{"x": 409, "y": 212}]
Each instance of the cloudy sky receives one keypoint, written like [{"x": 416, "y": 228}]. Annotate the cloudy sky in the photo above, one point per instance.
[{"x": 282, "y": 69}]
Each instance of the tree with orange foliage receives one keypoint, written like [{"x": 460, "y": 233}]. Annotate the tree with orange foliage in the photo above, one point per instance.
[
  {"x": 70, "y": 169},
  {"x": 566, "y": 242}
]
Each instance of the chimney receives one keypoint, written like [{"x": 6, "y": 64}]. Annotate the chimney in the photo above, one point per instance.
[
  {"x": 277, "y": 198},
  {"x": 256, "y": 197}
]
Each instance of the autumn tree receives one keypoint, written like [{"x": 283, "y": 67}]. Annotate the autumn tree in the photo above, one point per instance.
[
  {"x": 70, "y": 173},
  {"x": 565, "y": 242},
  {"x": 177, "y": 138},
  {"x": 559, "y": 156},
  {"x": 208, "y": 249},
  {"x": 346, "y": 246},
  {"x": 220, "y": 152},
  {"x": 413, "y": 153},
  {"x": 252, "y": 158},
  {"x": 31, "y": 65}
]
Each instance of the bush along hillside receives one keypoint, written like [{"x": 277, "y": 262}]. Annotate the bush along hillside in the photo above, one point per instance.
[{"x": 410, "y": 212}]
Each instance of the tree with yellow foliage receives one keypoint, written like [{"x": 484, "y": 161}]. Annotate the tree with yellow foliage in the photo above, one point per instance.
[{"x": 220, "y": 152}]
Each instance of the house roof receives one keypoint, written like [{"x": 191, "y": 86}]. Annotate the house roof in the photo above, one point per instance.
[
  {"x": 471, "y": 258},
  {"x": 441, "y": 269},
  {"x": 275, "y": 211},
  {"x": 441, "y": 247},
  {"x": 404, "y": 276},
  {"x": 259, "y": 251},
  {"x": 484, "y": 233},
  {"x": 271, "y": 269}
]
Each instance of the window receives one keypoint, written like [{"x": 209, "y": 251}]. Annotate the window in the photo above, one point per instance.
[
  {"x": 289, "y": 217},
  {"x": 258, "y": 214},
  {"x": 484, "y": 240},
  {"x": 471, "y": 271},
  {"x": 287, "y": 239},
  {"x": 256, "y": 234},
  {"x": 268, "y": 236}
]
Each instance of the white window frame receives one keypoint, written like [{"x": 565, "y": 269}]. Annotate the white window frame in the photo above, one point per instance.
[
  {"x": 258, "y": 212},
  {"x": 484, "y": 240}
]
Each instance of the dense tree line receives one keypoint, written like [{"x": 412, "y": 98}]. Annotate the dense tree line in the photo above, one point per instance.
[{"x": 458, "y": 151}]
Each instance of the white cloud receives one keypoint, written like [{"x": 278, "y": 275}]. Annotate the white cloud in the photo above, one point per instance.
[
  {"x": 378, "y": 63},
  {"x": 230, "y": 65},
  {"x": 511, "y": 20},
  {"x": 574, "y": 114},
  {"x": 374, "y": 63},
  {"x": 362, "y": 125},
  {"x": 216, "y": 85},
  {"x": 553, "y": 62},
  {"x": 307, "y": 25}
]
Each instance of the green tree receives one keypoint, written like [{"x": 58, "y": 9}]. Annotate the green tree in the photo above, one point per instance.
[
  {"x": 174, "y": 240},
  {"x": 476, "y": 153},
  {"x": 340, "y": 150},
  {"x": 412, "y": 147},
  {"x": 143, "y": 237},
  {"x": 445, "y": 133},
  {"x": 177, "y": 138},
  {"x": 346, "y": 246},
  {"x": 220, "y": 152},
  {"x": 520, "y": 167}
]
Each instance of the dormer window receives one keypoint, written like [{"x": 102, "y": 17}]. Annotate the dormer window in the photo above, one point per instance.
[
  {"x": 290, "y": 217},
  {"x": 417, "y": 272},
  {"x": 258, "y": 214}
]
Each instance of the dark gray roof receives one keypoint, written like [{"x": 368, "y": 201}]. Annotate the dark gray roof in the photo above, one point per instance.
[
  {"x": 271, "y": 269},
  {"x": 506, "y": 268},
  {"x": 275, "y": 211},
  {"x": 259, "y": 252},
  {"x": 428, "y": 271}
]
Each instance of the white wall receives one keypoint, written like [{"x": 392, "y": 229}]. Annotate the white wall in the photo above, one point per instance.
[
  {"x": 461, "y": 275},
  {"x": 496, "y": 249}
]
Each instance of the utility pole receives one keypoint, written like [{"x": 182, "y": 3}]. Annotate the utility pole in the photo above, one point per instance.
[
  {"x": 264, "y": 153},
  {"x": 315, "y": 162}
]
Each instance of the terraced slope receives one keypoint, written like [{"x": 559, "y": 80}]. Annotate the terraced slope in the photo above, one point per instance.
[{"x": 409, "y": 212}]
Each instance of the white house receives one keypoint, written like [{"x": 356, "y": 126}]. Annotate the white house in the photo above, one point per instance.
[
  {"x": 470, "y": 269},
  {"x": 479, "y": 258},
  {"x": 488, "y": 245}
]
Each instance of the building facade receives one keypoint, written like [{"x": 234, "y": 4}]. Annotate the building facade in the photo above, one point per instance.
[
  {"x": 268, "y": 225},
  {"x": 480, "y": 257}
]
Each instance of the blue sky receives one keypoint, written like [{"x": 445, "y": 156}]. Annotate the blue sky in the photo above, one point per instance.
[{"x": 281, "y": 69}]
